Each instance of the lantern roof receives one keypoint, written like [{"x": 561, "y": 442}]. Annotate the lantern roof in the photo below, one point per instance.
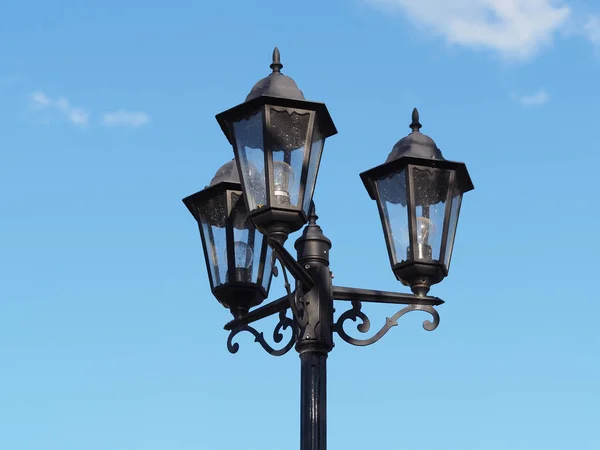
[
  {"x": 227, "y": 173},
  {"x": 227, "y": 177},
  {"x": 416, "y": 144},
  {"x": 418, "y": 149},
  {"x": 276, "y": 84},
  {"x": 275, "y": 90}
]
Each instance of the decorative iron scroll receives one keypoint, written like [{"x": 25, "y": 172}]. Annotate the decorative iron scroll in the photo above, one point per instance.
[
  {"x": 356, "y": 313},
  {"x": 284, "y": 323}
]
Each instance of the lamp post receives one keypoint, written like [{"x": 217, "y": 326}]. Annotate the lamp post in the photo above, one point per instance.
[{"x": 247, "y": 212}]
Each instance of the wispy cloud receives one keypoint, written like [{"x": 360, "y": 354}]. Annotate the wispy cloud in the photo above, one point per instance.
[
  {"x": 51, "y": 108},
  {"x": 515, "y": 29},
  {"x": 591, "y": 29},
  {"x": 539, "y": 98},
  {"x": 60, "y": 105},
  {"x": 124, "y": 118}
]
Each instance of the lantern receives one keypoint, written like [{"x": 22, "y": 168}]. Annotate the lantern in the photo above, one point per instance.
[
  {"x": 277, "y": 137},
  {"x": 237, "y": 256},
  {"x": 418, "y": 193}
]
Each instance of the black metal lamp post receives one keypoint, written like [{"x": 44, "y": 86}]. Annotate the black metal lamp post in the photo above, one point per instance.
[{"x": 278, "y": 137}]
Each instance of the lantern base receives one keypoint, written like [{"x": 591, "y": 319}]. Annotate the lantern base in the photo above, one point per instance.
[
  {"x": 239, "y": 297},
  {"x": 420, "y": 276},
  {"x": 272, "y": 221}
]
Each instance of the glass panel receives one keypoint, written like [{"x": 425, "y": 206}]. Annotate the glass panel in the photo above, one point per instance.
[
  {"x": 208, "y": 243},
  {"x": 287, "y": 138},
  {"x": 248, "y": 244},
  {"x": 431, "y": 192},
  {"x": 313, "y": 165},
  {"x": 393, "y": 204},
  {"x": 456, "y": 201},
  {"x": 243, "y": 251},
  {"x": 213, "y": 214},
  {"x": 249, "y": 143},
  {"x": 257, "y": 239},
  {"x": 268, "y": 274}
]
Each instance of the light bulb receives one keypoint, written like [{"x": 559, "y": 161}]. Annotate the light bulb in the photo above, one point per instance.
[
  {"x": 242, "y": 253},
  {"x": 425, "y": 230},
  {"x": 283, "y": 178},
  {"x": 425, "y": 233}
]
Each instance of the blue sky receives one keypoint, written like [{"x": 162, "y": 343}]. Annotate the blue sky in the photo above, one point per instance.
[{"x": 109, "y": 336}]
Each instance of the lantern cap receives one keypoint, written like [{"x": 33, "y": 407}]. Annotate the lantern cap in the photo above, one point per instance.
[
  {"x": 227, "y": 177},
  {"x": 227, "y": 173},
  {"x": 416, "y": 144},
  {"x": 276, "y": 84}
]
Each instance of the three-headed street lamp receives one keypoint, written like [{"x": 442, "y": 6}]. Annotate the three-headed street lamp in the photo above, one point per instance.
[{"x": 256, "y": 200}]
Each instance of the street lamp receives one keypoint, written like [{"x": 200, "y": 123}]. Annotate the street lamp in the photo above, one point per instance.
[
  {"x": 237, "y": 257},
  {"x": 418, "y": 193},
  {"x": 277, "y": 138}
]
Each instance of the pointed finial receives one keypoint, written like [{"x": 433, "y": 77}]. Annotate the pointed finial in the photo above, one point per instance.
[
  {"x": 415, "y": 125},
  {"x": 312, "y": 214},
  {"x": 276, "y": 64}
]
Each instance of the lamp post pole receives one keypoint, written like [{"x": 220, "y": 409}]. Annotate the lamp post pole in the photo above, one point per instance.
[
  {"x": 255, "y": 201},
  {"x": 315, "y": 336}
]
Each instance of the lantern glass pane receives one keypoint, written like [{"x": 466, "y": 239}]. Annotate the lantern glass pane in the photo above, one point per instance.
[
  {"x": 257, "y": 240},
  {"x": 208, "y": 243},
  {"x": 249, "y": 247},
  {"x": 394, "y": 210},
  {"x": 431, "y": 193},
  {"x": 244, "y": 236},
  {"x": 268, "y": 271},
  {"x": 213, "y": 218},
  {"x": 452, "y": 225},
  {"x": 287, "y": 139},
  {"x": 250, "y": 152},
  {"x": 316, "y": 150}
]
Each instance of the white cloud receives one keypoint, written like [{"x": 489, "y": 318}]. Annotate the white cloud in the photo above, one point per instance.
[
  {"x": 516, "y": 29},
  {"x": 42, "y": 102},
  {"x": 591, "y": 29},
  {"x": 540, "y": 98},
  {"x": 126, "y": 118}
]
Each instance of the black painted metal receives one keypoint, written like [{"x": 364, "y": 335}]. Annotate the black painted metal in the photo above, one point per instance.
[
  {"x": 275, "y": 92},
  {"x": 313, "y": 401},
  {"x": 283, "y": 324},
  {"x": 313, "y": 325},
  {"x": 415, "y": 151},
  {"x": 365, "y": 325},
  {"x": 281, "y": 304},
  {"x": 288, "y": 262},
  {"x": 373, "y": 296},
  {"x": 312, "y": 301},
  {"x": 314, "y": 314},
  {"x": 237, "y": 296}
]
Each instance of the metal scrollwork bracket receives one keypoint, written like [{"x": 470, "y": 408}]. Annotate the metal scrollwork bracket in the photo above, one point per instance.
[
  {"x": 413, "y": 303},
  {"x": 284, "y": 323},
  {"x": 365, "y": 325},
  {"x": 292, "y": 299}
]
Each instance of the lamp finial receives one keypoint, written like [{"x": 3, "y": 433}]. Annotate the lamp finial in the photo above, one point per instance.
[
  {"x": 276, "y": 65},
  {"x": 415, "y": 125}
]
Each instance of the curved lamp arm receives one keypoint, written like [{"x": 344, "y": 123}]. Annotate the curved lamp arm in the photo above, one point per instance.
[
  {"x": 365, "y": 325},
  {"x": 284, "y": 323}
]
